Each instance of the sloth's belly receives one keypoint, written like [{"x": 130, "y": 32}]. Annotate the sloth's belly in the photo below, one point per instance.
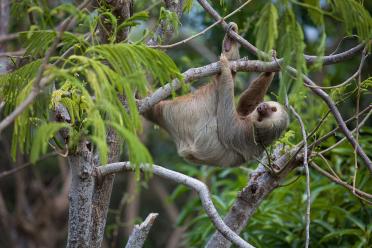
[{"x": 202, "y": 146}]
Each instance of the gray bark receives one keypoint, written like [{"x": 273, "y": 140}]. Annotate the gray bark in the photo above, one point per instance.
[
  {"x": 80, "y": 197},
  {"x": 102, "y": 193},
  {"x": 139, "y": 235}
]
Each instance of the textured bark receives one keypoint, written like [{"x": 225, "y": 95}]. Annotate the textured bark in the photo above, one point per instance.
[
  {"x": 102, "y": 194},
  {"x": 80, "y": 196},
  {"x": 122, "y": 9},
  {"x": 140, "y": 232},
  {"x": 164, "y": 32}
]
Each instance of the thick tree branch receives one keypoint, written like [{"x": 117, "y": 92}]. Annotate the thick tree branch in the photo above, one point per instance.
[
  {"x": 190, "y": 182},
  {"x": 261, "y": 184},
  {"x": 140, "y": 232},
  {"x": 239, "y": 65},
  {"x": 80, "y": 197}
]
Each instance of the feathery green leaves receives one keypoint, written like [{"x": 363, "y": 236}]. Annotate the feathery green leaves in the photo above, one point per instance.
[
  {"x": 128, "y": 59},
  {"x": 187, "y": 5},
  {"x": 12, "y": 83},
  {"x": 291, "y": 48},
  {"x": 315, "y": 12},
  {"x": 355, "y": 17},
  {"x": 37, "y": 42},
  {"x": 91, "y": 91},
  {"x": 266, "y": 28}
]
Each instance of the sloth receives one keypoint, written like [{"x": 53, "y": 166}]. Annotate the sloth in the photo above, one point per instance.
[{"x": 207, "y": 127}]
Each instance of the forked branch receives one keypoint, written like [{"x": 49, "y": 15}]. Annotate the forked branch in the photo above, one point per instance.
[{"x": 190, "y": 182}]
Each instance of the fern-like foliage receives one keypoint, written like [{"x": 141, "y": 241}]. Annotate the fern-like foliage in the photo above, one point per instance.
[
  {"x": 291, "y": 48},
  {"x": 127, "y": 59},
  {"x": 187, "y": 5},
  {"x": 315, "y": 12},
  {"x": 91, "y": 87},
  {"x": 355, "y": 17},
  {"x": 12, "y": 83},
  {"x": 37, "y": 42},
  {"x": 267, "y": 28}
]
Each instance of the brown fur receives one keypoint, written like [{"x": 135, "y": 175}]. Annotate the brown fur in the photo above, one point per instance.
[{"x": 208, "y": 129}]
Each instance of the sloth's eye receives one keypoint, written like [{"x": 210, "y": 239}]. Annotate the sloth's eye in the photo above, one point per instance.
[{"x": 273, "y": 109}]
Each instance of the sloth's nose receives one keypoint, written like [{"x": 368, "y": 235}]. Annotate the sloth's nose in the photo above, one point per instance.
[{"x": 263, "y": 108}]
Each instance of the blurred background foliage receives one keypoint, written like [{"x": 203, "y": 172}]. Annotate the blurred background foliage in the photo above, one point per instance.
[{"x": 338, "y": 218}]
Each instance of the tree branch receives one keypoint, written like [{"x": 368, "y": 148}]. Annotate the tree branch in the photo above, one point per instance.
[
  {"x": 310, "y": 59},
  {"x": 140, "y": 232},
  {"x": 359, "y": 193},
  {"x": 336, "y": 113},
  {"x": 260, "y": 185},
  {"x": 238, "y": 65},
  {"x": 306, "y": 166},
  {"x": 192, "y": 183}
]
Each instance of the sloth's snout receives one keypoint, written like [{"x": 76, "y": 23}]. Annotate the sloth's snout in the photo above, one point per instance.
[{"x": 263, "y": 109}]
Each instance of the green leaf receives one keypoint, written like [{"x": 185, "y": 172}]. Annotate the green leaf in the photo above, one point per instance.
[
  {"x": 266, "y": 28},
  {"x": 355, "y": 16},
  {"x": 138, "y": 153},
  {"x": 340, "y": 233},
  {"x": 315, "y": 13},
  {"x": 187, "y": 5}
]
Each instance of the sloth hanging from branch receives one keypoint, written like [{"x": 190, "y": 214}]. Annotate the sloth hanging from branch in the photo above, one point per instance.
[{"x": 207, "y": 127}]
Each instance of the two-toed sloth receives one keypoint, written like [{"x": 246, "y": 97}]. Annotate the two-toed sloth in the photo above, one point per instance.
[{"x": 207, "y": 127}]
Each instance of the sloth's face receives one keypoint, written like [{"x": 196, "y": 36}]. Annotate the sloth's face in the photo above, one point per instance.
[
  {"x": 265, "y": 110},
  {"x": 268, "y": 114}
]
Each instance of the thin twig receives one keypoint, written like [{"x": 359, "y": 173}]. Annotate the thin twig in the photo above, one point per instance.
[
  {"x": 331, "y": 133},
  {"x": 342, "y": 41},
  {"x": 13, "y": 54},
  {"x": 344, "y": 138},
  {"x": 8, "y": 37},
  {"x": 359, "y": 82},
  {"x": 192, "y": 183},
  {"x": 337, "y": 115},
  {"x": 307, "y": 176},
  {"x": 310, "y": 59},
  {"x": 328, "y": 165},
  {"x": 16, "y": 169},
  {"x": 203, "y": 31},
  {"x": 358, "y": 193},
  {"x": 347, "y": 81}
]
